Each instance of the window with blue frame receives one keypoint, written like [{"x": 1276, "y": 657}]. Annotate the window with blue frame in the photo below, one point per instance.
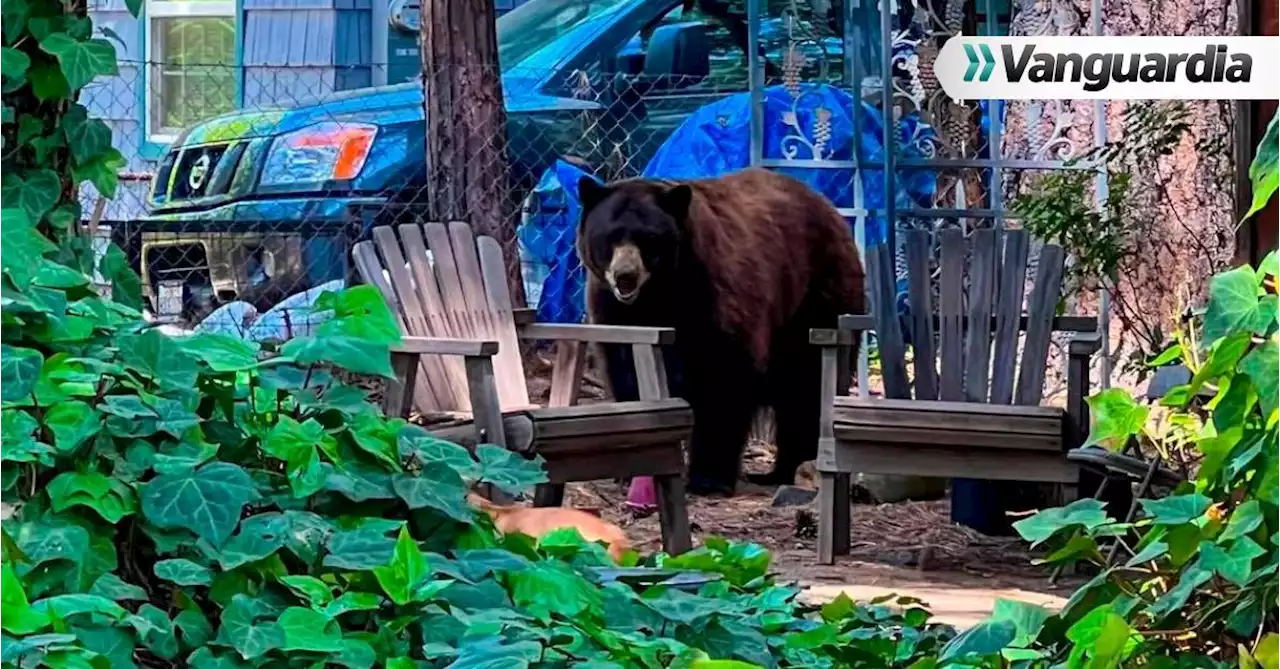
[{"x": 191, "y": 56}]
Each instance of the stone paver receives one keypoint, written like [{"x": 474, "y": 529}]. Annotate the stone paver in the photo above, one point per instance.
[{"x": 959, "y": 606}]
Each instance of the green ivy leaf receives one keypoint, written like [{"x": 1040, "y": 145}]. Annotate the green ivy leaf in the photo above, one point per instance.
[
  {"x": 415, "y": 442},
  {"x": 47, "y": 81},
  {"x": 183, "y": 572},
  {"x": 207, "y": 501},
  {"x": 1233, "y": 304},
  {"x": 73, "y": 424},
  {"x": 309, "y": 588},
  {"x": 1027, "y": 618},
  {"x": 81, "y": 61},
  {"x": 19, "y": 368},
  {"x": 1261, "y": 364},
  {"x": 511, "y": 472},
  {"x": 1177, "y": 596},
  {"x": 1037, "y": 528},
  {"x": 18, "y": 429},
  {"x": 1244, "y": 519},
  {"x": 161, "y": 357},
  {"x": 548, "y": 587},
  {"x": 15, "y": 19},
  {"x": 222, "y": 353},
  {"x": 407, "y": 570},
  {"x": 436, "y": 487},
  {"x": 1262, "y": 172},
  {"x": 63, "y": 607},
  {"x": 13, "y": 63},
  {"x": 361, "y": 548},
  {"x": 18, "y": 616},
  {"x": 1151, "y": 551},
  {"x": 242, "y": 632},
  {"x": 112, "y": 643},
  {"x": 986, "y": 638},
  {"x": 1116, "y": 417},
  {"x": 377, "y": 436},
  {"x": 103, "y": 171},
  {"x": 349, "y": 353},
  {"x": 156, "y": 631},
  {"x": 1104, "y": 636},
  {"x": 111, "y": 498},
  {"x": 1176, "y": 509},
  {"x": 86, "y": 137},
  {"x": 359, "y": 312},
  {"x": 204, "y": 658},
  {"x": 195, "y": 628},
  {"x": 355, "y": 654},
  {"x": 259, "y": 537},
  {"x": 126, "y": 287},
  {"x": 1234, "y": 564},
  {"x": 352, "y": 601},
  {"x": 112, "y": 587},
  {"x": 22, "y": 252},
  {"x": 32, "y": 193},
  {"x": 305, "y": 629}
]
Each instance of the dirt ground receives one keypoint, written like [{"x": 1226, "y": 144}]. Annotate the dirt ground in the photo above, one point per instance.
[{"x": 907, "y": 542}]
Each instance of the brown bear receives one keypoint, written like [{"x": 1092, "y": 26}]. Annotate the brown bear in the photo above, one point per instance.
[{"x": 742, "y": 266}]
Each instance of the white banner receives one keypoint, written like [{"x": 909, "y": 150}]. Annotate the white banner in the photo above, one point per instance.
[{"x": 1110, "y": 68}]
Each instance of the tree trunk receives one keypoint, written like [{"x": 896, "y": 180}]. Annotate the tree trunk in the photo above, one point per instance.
[{"x": 466, "y": 124}]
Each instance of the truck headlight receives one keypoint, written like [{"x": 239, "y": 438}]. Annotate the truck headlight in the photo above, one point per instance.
[{"x": 317, "y": 153}]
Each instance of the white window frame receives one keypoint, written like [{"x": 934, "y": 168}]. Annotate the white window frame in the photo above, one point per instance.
[{"x": 165, "y": 9}]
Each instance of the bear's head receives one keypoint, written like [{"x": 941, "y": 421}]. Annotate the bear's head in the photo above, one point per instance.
[{"x": 631, "y": 231}]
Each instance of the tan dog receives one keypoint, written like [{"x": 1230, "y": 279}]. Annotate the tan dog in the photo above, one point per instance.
[{"x": 539, "y": 521}]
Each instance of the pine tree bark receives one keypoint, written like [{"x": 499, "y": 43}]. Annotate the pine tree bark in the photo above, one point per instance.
[{"x": 467, "y": 176}]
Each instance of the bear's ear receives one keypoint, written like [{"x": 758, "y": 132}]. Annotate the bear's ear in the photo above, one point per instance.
[
  {"x": 675, "y": 201},
  {"x": 591, "y": 192}
]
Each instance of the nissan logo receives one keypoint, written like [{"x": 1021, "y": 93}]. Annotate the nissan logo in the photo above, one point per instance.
[{"x": 199, "y": 172}]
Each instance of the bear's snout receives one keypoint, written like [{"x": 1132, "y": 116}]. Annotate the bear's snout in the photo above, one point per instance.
[{"x": 626, "y": 273}]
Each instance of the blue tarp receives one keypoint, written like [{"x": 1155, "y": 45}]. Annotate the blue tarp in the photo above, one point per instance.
[{"x": 713, "y": 141}]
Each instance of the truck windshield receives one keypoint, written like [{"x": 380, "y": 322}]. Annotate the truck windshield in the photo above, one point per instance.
[{"x": 537, "y": 23}]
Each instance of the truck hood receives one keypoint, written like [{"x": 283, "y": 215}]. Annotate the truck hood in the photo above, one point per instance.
[{"x": 381, "y": 105}]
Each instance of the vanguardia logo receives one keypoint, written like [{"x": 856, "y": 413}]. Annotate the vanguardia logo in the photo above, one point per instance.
[
  {"x": 1138, "y": 67},
  {"x": 1098, "y": 70}
]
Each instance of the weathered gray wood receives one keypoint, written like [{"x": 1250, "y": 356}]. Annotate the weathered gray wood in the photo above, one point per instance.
[
  {"x": 963, "y": 462},
  {"x": 835, "y": 516},
  {"x": 673, "y": 514},
  {"x": 517, "y": 428},
  {"x": 484, "y": 400},
  {"x": 584, "y": 463},
  {"x": 828, "y": 452},
  {"x": 598, "y": 334},
  {"x": 938, "y": 416},
  {"x": 444, "y": 346},
  {"x": 1013, "y": 276},
  {"x": 606, "y": 443},
  {"x": 976, "y": 440},
  {"x": 856, "y": 322},
  {"x": 940, "y": 407},
  {"x": 651, "y": 373},
  {"x": 447, "y": 374},
  {"x": 497, "y": 299},
  {"x": 920, "y": 302},
  {"x": 397, "y": 395},
  {"x": 558, "y": 422},
  {"x": 982, "y": 281},
  {"x": 1044, "y": 301},
  {"x": 893, "y": 366},
  {"x": 566, "y": 376},
  {"x": 951, "y": 308},
  {"x": 1079, "y": 354},
  {"x": 430, "y": 386},
  {"x": 1060, "y": 323}
]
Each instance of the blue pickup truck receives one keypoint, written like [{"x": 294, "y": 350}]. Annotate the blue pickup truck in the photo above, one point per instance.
[{"x": 592, "y": 79}]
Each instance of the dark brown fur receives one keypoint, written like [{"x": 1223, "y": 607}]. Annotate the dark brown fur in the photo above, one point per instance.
[{"x": 742, "y": 266}]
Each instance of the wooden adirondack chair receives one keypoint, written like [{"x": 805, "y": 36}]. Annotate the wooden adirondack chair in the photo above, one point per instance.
[
  {"x": 976, "y": 412},
  {"x": 448, "y": 289}
]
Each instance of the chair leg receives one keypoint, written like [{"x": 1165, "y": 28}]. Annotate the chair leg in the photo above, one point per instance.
[
  {"x": 835, "y": 516},
  {"x": 673, "y": 514},
  {"x": 548, "y": 494}
]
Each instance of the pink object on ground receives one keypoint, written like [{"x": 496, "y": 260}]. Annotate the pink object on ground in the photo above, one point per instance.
[{"x": 642, "y": 497}]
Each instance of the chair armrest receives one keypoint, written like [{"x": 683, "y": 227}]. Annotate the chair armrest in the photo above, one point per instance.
[
  {"x": 856, "y": 323},
  {"x": 444, "y": 346},
  {"x": 524, "y": 316},
  {"x": 598, "y": 334}
]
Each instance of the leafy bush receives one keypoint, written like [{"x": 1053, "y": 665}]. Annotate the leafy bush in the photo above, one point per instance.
[{"x": 1197, "y": 581}]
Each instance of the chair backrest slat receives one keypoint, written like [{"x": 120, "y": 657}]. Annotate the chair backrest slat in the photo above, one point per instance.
[
  {"x": 884, "y": 305},
  {"x": 1013, "y": 277},
  {"x": 951, "y": 309},
  {"x": 1040, "y": 311},
  {"x": 920, "y": 303},
  {"x": 431, "y": 391},
  {"x": 982, "y": 280},
  {"x": 442, "y": 281}
]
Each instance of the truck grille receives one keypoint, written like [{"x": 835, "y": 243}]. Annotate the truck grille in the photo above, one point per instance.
[{"x": 195, "y": 172}]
